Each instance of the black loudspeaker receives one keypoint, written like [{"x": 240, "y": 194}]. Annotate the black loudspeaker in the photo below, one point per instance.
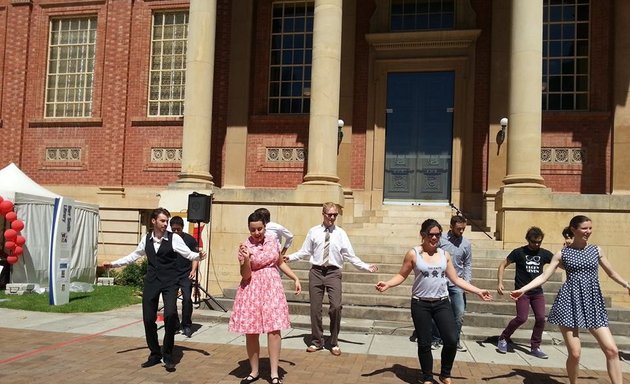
[{"x": 199, "y": 208}]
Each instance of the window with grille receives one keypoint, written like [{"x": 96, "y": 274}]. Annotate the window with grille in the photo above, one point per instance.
[
  {"x": 70, "y": 75},
  {"x": 566, "y": 40},
  {"x": 418, "y": 15},
  {"x": 290, "y": 57},
  {"x": 168, "y": 64}
]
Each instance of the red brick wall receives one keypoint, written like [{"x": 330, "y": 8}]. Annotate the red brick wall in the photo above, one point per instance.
[
  {"x": 360, "y": 106},
  {"x": 116, "y": 140},
  {"x": 592, "y": 130},
  {"x": 270, "y": 130},
  {"x": 481, "y": 114},
  {"x": 14, "y": 69}
]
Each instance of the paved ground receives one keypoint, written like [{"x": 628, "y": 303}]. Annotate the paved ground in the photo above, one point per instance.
[{"x": 109, "y": 347}]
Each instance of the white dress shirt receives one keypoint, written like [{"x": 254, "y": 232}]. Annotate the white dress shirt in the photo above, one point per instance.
[
  {"x": 340, "y": 249},
  {"x": 178, "y": 246},
  {"x": 280, "y": 232}
]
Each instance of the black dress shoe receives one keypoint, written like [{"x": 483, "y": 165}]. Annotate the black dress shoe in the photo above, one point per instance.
[
  {"x": 250, "y": 379},
  {"x": 187, "y": 331},
  {"x": 151, "y": 361},
  {"x": 169, "y": 363}
]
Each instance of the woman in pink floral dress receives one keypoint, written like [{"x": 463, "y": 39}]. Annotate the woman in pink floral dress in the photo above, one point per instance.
[{"x": 261, "y": 305}]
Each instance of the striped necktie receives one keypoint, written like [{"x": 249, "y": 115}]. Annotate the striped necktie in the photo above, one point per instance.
[{"x": 326, "y": 251}]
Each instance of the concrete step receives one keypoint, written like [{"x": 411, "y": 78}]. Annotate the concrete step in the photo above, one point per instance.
[
  {"x": 470, "y": 333},
  {"x": 380, "y": 306},
  {"x": 383, "y": 237}
]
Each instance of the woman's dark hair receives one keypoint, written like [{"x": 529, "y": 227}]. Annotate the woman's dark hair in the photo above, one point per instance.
[
  {"x": 266, "y": 214},
  {"x": 566, "y": 233},
  {"x": 427, "y": 225},
  {"x": 256, "y": 216},
  {"x": 577, "y": 220}
]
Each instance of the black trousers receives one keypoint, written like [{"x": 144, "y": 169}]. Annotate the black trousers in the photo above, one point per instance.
[
  {"x": 150, "y": 301},
  {"x": 423, "y": 313},
  {"x": 185, "y": 285}
]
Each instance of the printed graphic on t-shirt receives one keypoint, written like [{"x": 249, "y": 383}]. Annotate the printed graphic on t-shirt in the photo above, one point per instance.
[
  {"x": 532, "y": 264},
  {"x": 434, "y": 272}
]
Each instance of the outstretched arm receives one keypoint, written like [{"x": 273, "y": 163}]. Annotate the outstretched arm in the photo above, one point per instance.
[
  {"x": 306, "y": 250},
  {"x": 463, "y": 284},
  {"x": 405, "y": 270},
  {"x": 607, "y": 267},
  {"x": 130, "y": 258},
  {"x": 348, "y": 254},
  {"x": 541, "y": 279}
]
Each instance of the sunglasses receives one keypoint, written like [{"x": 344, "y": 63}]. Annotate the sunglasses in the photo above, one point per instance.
[
  {"x": 330, "y": 214},
  {"x": 434, "y": 234}
]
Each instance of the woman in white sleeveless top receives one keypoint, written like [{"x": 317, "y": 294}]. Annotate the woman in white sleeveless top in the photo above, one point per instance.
[{"x": 432, "y": 266}]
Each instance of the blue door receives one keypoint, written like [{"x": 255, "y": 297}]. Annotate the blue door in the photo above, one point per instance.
[{"x": 419, "y": 136}]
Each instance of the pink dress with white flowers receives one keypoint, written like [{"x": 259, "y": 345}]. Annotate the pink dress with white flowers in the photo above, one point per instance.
[{"x": 260, "y": 305}]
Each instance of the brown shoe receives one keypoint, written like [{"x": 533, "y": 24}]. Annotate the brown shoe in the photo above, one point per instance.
[
  {"x": 336, "y": 351},
  {"x": 446, "y": 380},
  {"x": 313, "y": 348}
]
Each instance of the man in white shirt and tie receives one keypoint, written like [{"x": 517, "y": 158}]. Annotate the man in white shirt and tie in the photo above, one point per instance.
[{"x": 327, "y": 247}]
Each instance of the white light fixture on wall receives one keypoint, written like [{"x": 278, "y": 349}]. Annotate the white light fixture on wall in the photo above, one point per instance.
[{"x": 501, "y": 134}]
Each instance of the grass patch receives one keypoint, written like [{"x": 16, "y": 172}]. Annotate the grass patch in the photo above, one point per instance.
[{"x": 103, "y": 298}]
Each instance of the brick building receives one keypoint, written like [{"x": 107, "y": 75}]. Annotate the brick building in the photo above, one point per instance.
[{"x": 93, "y": 95}]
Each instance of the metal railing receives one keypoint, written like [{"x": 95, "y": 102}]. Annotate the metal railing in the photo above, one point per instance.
[{"x": 472, "y": 222}]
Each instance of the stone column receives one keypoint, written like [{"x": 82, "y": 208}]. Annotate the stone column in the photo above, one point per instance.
[
  {"x": 198, "y": 99},
  {"x": 325, "y": 86},
  {"x": 621, "y": 125},
  {"x": 525, "y": 116}
]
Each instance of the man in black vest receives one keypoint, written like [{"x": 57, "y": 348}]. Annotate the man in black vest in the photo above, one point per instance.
[
  {"x": 187, "y": 273},
  {"x": 162, "y": 249}
]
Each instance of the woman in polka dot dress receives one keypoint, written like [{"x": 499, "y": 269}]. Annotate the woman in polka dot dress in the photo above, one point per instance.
[{"x": 580, "y": 303}]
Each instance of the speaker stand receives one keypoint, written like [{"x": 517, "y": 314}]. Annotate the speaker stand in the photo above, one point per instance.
[{"x": 198, "y": 288}]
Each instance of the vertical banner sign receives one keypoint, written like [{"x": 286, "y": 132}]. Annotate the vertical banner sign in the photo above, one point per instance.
[{"x": 60, "y": 252}]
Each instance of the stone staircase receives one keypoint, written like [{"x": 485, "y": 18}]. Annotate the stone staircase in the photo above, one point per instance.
[{"x": 382, "y": 237}]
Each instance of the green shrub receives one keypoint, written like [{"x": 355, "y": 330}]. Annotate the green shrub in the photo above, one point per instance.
[{"x": 132, "y": 275}]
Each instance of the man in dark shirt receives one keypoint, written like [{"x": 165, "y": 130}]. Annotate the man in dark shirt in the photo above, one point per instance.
[
  {"x": 187, "y": 271},
  {"x": 529, "y": 261}
]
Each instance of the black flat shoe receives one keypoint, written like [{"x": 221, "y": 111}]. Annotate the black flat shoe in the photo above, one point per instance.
[
  {"x": 151, "y": 361},
  {"x": 276, "y": 380},
  {"x": 250, "y": 379}
]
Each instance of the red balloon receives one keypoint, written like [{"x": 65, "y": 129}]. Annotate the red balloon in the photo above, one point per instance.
[
  {"x": 1, "y": 199},
  {"x": 10, "y": 234},
  {"x": 17, "y": 225},
  {"x": 17, "y": 252},
  {"x": 10, "y": 245},
  {"x": 12, "y": 259},
  {"x": 20, "y": 240},
  {"x": 10, "y": 216},
  {"x": 5, "y": 207}
]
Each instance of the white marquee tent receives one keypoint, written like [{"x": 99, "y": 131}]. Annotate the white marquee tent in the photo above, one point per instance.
[{"x": 34, "y": 205}]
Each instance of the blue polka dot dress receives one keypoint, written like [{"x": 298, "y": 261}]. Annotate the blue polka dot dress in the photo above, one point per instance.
[{"x": 580, "y": 303}]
